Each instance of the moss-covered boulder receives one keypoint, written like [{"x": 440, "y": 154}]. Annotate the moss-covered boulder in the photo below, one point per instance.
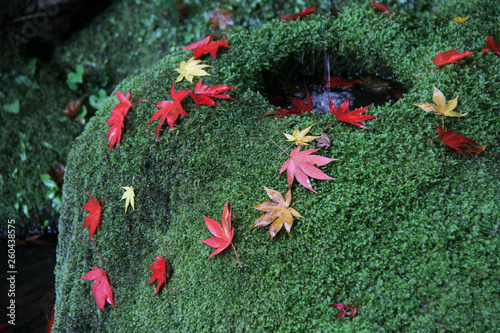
[{"x": 408, "y": 230}]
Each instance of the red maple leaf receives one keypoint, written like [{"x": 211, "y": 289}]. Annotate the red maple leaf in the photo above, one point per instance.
[
  {"x": 305, "y": 12},
  {"x": 169, "y": 110},
  {"x": 490, "y": 46},
  {"x": 300, "y": 165},
  {"x": 475, "y": 149},
  {"x": 100, "y": 287},
  {"x": 449, "y": 57},
  {"x": 203, "y": 94},
  {"x": 381, "y": 7},
  {"x": 94, "y": 217},
  {"x": 451, "y": 139},
  {"x": 50, "y": 322},
  {"x": 301, "y": 106},
  {"x": 212, "y": 48},
  {"x": 345, "y": 309},
  {"x": 353, "y": 117},
  {"x": 337, "y": 81},
  {"x": 161, "y": 271},
  {"x": 223, "y": 233},
  {"x": 197, "y": 44},
  {"x": 117, "y": 117},
  {"x": 280, "y": 113}
]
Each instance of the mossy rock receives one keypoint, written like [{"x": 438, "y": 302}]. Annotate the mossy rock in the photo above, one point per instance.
[{"x": 408, "y": 230}]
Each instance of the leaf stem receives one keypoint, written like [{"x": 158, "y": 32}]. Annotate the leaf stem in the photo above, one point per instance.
[
  {"x": 324, "y": 129},
  {"x": 168, "y": 248},
  {"x": 279, "y": 147},
  {"x": 236, "y": 255}
]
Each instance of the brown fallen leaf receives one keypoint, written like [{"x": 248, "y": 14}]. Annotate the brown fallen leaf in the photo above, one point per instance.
[
  {"x": 323, "y": 141},
  {"x": 221, "y": 18}
]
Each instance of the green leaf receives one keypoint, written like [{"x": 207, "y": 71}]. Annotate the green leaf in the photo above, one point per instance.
[
  {"x": 96, "y": 101},
  {"x": 47, "y": 181},
  {"x": 74, "y": 78},
  {"x": 12, "y": 107}
]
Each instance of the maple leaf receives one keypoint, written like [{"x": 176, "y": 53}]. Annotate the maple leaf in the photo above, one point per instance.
[
  {"x": 280, "y": 113},
  {"x": 197, "y": 44},
  {"x": 323, "y": 140},
  {"x": 301, "y": 106},
  {"x": 460, "y": 20},
  {"x": 305, "y": 12},
  {"x": 50, "y": 322},
  {"x": 345, "y": 309},
  {"x": 212, "y": 48},
  {"x": 190, "y": 68},
  {"x": 300, "y": 138},
  {"x": 169, "y": 110},
  {"x": 100, "y": 287},
  {"x": 382, "y": 8},
  {"x": 203, "y": 94},
  {"x": 300, "y": 165},
  {"x": 117, "y": 117},
  {"x": 354, "y": 117},
  {"x": 94, "y": 217},
  {"x": 451, "y": 139},
  {"x": 449, "y": 57},
  {"x": 278, "y": 212},
  {"x": 490, "y": 46},
  {"x": 337, "y": 81},
  {"x": 221, "y": 18},
  {"x": 129, "y": 196},
  {"x": 223, "y": 233},
  {"x": 442, "y": 107},
  {"x": 161, "y": 271},
  {"x": 475, "y": 149}
]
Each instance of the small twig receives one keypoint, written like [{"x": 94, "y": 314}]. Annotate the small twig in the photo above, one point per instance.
[
  {"x": 324, "y": 129},
  {"x": 279, "y": 147},
  {"x": 286, "y": 150}
]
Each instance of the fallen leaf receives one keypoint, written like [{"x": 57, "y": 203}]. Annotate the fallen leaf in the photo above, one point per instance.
[
  {"x": 72, "y": 108},
  {"x": 442, "y": 107},
  {"x": 190, "y": 68},
  {"x": 337, "y": 81},
  {"x": 300, "y": 138},
  {"x": 221, "y": 18},
  {"x": 182, "y": 8},
  {"x": 56, "y": 173},
  {"x": 118, "y": 116},
  {"x": 278, "y": 212},
  {"x": 323, "y": 141},
  {"x": 129, "y": 196},
  {"x": 460, "y": 20},
  {"x": 354, "y": 117},
  {"x": 490, "y": 46},
  {"x": 169, "y": 110},
  {"x": 449, "y": 57},
  {"x": 301, "y": 106},
  {"x": 197, "y": 44},
  {"x": 300, "y": 165},
  {"x": 345, "y": 309},
  {"x": 451, "y": 139},
  {"x": 212, "y": 47},
  {"x": 280, "y": 113},
  {"x": 223, "y": 233},
  {"x": 382, "y": 8},
  {"x": 100, "y": 287},
  {"x": 161, "y": 271},
  {"x": 305, "y": 12},
  {"x": 93, "y": 217},
  {"x": 475, "y": 149},
  {"x": 50, "y": 322},
  {"x": 203, "y": 94}
]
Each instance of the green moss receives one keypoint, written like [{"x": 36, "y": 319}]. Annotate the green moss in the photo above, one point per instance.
[{"x": 408, "y": 230}]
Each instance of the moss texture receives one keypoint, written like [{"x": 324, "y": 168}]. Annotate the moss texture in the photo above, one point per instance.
[{"x": 409, "y": 230}]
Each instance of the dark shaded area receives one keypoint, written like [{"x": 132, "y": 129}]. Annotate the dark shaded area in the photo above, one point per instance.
[
  {"x": 316, "y": 70},
  {"x": 34, "y": 28},
  {"x": 34, "y": 282}
]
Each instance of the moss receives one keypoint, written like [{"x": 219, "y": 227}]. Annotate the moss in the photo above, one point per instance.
[{"x": 407, "y": 230}]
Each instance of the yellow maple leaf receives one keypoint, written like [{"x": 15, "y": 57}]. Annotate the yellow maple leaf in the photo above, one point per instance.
[
  {"x": 129, "y": 196},
  {"x": 299, "y": 137},
  {"x": 277, "y": 212},
  {"x": 460, "y": 20},
  {"x": 189, "y": 69},
  {"x": 442, "y": 107}
]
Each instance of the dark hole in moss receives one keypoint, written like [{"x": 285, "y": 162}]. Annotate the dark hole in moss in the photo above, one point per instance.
[{"x": 318, "y": 69}]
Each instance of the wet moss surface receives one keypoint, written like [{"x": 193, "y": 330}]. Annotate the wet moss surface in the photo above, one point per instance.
[{"x": 407, "y": 229}]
